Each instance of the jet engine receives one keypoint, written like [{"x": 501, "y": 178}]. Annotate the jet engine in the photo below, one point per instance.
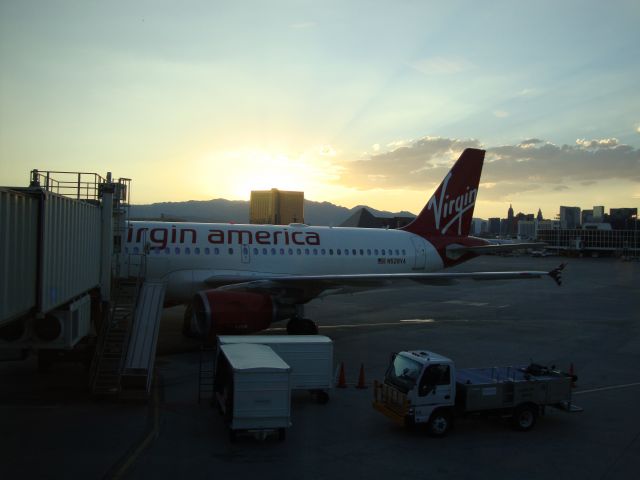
[{"x": 216, "y": 312}]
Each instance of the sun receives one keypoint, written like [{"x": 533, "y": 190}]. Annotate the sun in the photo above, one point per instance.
[
  {"x": 233, "y": 174},
  {"x": 260, "y": 170}
]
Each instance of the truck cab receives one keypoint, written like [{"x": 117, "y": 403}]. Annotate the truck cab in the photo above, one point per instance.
[{"x": 418, "y": 384}]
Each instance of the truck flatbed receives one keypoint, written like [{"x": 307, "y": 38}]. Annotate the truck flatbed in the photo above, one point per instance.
[{"x": 480, "y": 376}]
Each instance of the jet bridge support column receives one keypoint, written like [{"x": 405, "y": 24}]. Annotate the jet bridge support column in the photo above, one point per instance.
[{"x": 106, "y": 191}]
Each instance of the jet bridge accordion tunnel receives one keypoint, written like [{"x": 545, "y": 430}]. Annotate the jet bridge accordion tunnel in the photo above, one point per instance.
[{"x": 56, "y": 257}]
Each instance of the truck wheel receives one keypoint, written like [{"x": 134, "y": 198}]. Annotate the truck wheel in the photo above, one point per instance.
[
  {"x": 439, "y": 423},
  {"x": 524, "y": 417}
]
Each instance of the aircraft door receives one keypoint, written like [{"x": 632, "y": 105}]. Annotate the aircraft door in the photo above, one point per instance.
[
  {"x": 420, "y": 253},
  {"x": 246, "y": 253}
]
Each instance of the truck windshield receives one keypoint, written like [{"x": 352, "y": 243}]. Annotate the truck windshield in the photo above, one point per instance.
[{"x": 403, "y": 373}]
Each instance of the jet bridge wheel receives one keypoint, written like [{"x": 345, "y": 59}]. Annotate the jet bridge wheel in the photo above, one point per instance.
[{"x": 302, "y": 326}]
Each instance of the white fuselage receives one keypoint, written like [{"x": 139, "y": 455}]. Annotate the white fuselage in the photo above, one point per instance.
[{"x": 186, "y": 254}]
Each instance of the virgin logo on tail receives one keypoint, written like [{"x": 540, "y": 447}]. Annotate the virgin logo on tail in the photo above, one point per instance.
[
  {"x": 453, "y": 201},
  {"x": 444, "y": 207}
]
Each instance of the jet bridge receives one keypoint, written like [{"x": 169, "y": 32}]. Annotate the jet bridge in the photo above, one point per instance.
[
  {"x": 51, "y": 256},
  {"x": 65, "y": 285}
]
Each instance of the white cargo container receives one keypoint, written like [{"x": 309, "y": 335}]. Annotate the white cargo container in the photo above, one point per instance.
[
  {"x": 309, "y": 356},
  {"x": 253, "y": 389}
]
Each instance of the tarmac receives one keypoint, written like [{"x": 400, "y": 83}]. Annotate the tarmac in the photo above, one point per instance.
[{"x": 50, "y": 428}]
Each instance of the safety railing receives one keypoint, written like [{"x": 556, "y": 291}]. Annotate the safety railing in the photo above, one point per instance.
[{"x": 79, "y": 185}]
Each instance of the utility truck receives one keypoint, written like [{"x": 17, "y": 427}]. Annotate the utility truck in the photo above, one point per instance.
[{"x": 423, "y": 387}]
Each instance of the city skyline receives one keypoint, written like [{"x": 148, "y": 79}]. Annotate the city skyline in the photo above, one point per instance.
[{"x": 203, "y": 100}]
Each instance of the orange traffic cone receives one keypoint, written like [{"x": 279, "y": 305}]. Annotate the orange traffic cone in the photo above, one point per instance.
[
  {"x": 361, "y": 383},
  {"x": 342, "y": 382}
]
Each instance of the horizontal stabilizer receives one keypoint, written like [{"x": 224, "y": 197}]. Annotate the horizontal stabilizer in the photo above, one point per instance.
[{"x": 456, "y": 250}]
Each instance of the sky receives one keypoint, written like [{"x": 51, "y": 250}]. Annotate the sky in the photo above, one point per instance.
[{"x": 352, "y": 102}]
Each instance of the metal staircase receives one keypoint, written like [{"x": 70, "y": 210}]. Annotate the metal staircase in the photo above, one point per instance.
[
  {"x": 139, "y": 361},
  {"x": 106, "y": 368}
]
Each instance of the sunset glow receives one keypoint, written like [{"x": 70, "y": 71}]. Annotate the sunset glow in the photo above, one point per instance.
[{"x": 210, "y": 100}]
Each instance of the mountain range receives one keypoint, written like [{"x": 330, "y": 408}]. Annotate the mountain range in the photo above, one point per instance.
[{"x": 221, "y": 210}]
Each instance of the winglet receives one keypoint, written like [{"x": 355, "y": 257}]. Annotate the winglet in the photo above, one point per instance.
[{"x": 556, "y": 273}]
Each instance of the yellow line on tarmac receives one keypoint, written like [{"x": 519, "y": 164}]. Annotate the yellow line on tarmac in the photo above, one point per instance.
[
  {"x": 613, "y": 387},
  {"x": 152, "y": 435}
]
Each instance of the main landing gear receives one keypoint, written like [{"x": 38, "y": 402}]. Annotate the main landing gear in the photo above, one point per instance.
[{"x": 301, "y": 326}]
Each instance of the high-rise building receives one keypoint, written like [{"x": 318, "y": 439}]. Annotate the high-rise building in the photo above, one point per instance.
[
  {"x": 509, "y": 225},
  {"x": 478, "y": 226},
  {"x": 569, "y": 217},
  {"x": 598, "y": 213},
  {"x": 548, "y": 225},
  {"x": 494, "y": 226},
  {"x": 586, "y": 216},
  {"x": 539, "y": 216},
  {"x": 526, "y": 229},
  {"x": 623, "y": 218},
  {"x": 276, "y": 207}
]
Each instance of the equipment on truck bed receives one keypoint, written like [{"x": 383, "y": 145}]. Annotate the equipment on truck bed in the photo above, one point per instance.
[{"x": 423, "y": 387}]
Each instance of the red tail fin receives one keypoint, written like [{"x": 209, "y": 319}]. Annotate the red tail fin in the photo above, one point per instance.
[{"x": 450, "y": 210}]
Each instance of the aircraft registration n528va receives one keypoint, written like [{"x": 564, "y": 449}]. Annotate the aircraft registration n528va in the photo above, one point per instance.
[{"x": 241, "y": 278}]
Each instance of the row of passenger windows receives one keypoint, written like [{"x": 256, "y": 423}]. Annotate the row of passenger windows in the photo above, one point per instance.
[{"x": 271, "y": 251}]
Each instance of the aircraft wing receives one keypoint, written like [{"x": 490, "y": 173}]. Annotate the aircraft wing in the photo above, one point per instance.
[{"x": 304, "y": 288}]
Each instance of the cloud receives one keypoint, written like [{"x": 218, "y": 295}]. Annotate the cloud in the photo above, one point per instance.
[
  {"x": 327, "y": 151},
  {"x": 638, "y": 129},
  {"x": 603, "y": 143},
  {"x": 526, "y": 92},
  {"x": 561, "y": 188},
  {"x": 588, "y": 160},
  {"x": 441, "y": 65},
  {"x": 532, "y": 164},
  {"x": 407, "y": 164},
  {"x": 501, "y": 114}
]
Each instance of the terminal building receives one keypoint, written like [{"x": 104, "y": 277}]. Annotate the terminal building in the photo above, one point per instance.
[
  {"x": 598, "y": 234},
  {"x": 276, "y": 207},
  {"x": 575, "y": 231}
]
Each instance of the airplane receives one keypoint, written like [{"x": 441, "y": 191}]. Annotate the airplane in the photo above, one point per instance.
[{"x": 241, "y": 278}]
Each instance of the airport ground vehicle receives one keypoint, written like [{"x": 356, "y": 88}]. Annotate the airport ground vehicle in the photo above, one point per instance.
[
  {"x": 253, "y": 389},
  {"x": 309, "y": 356},
  {"x": 423, "y": 387}
]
